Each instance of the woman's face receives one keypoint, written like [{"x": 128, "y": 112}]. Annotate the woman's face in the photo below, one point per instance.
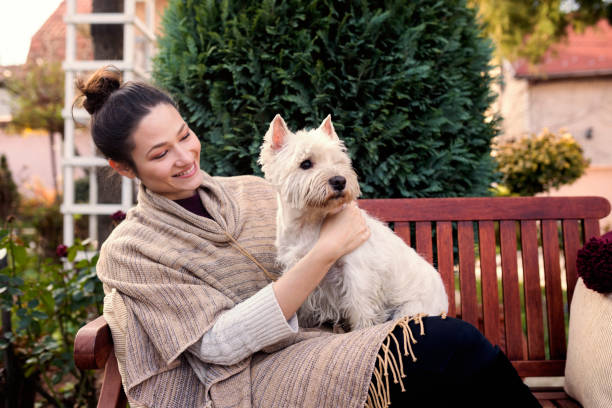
[{"x": 167, "y": 154}]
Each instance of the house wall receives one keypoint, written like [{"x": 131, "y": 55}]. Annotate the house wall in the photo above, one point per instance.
[
  {"x": 576, "y": 105},
  {"x": 513, "y": 104}
]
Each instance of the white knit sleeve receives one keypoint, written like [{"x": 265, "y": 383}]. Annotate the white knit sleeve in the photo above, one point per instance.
[{"x": 245, "y": 329}]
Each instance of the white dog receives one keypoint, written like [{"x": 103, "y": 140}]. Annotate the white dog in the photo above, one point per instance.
[{"x": 383, "y": 278}]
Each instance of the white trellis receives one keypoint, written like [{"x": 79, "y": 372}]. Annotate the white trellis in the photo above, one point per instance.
[{"x": 132, "y": 68}]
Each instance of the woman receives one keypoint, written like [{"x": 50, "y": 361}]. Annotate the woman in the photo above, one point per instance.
[{"x": 200, "y": 316}]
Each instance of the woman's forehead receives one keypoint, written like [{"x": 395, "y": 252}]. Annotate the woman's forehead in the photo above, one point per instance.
[{"x": 162, "y": 123}]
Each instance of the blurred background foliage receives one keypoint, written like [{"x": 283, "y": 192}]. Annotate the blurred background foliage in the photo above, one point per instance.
[
  {"x": 46, "y": 294},
  {"x": 529, "y": 28},
  {"x": 407, "y": 84}
]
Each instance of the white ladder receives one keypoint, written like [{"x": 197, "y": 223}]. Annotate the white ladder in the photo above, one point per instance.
[{"x": 131, "y": 70}]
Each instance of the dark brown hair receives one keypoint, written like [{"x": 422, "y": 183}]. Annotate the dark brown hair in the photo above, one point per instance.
[{"x": 116, "y": 109}]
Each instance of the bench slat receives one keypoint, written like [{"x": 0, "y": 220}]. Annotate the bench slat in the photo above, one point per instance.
[
  {"x": 402, "y": 229},
  {"x": 423, "y": 240},
  {"x": 533, "y": 290},
  {"x": 486, "y": 208},
  {"x": 591, "y": 228},
  {"x": 488, "y": 269},
  {"x": 444, "y": 242},
  {"x": 571, "y": 245},
  {"x": 512, "y": 303},
  {"x": 554, "y": 294},
  {"x": 467, "y": 277},
  {"x": 539, "y": 368}
]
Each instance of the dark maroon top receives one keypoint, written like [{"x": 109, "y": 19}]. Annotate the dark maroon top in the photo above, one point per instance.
[{"x": 193, "y": 204}]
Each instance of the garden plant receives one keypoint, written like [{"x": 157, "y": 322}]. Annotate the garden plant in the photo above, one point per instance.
[
  {"x": 44, "y": 302},
  {"x": 535, "y": 164}
]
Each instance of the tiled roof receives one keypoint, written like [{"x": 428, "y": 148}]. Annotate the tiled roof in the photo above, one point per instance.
[
  {"x": 49, "y": 42},
  {"x": 581, "y": 55}
]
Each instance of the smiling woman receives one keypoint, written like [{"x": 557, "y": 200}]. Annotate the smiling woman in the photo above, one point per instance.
[{"x": 200, "y": 313}]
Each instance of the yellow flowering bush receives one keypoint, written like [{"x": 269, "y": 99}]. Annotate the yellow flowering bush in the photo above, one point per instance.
[{"x": 537, "y": 163}]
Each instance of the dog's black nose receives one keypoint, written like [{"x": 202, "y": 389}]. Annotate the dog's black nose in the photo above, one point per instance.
[{"x": 337, "y": 183}]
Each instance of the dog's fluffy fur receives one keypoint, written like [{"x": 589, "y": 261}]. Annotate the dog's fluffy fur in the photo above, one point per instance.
[{"x": 383, "y": 278}]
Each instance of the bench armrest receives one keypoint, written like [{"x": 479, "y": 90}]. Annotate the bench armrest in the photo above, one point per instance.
[{"x": 93, "y": 345}]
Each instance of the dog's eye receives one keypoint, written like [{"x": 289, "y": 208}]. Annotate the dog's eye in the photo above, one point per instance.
[{"x": 306, "y": 164}]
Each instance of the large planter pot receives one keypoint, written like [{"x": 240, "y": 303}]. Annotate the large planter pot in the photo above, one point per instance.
[{"x": 588, "y": 371}]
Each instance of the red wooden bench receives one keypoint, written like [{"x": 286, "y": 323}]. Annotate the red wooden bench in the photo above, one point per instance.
[{"x": 526, "y": 319}]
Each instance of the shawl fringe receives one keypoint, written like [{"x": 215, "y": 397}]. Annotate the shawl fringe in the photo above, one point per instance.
[{"x": 379, "y": 395}]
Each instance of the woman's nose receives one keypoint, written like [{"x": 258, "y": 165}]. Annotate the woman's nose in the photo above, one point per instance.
[{"x": 184, "y": 156}]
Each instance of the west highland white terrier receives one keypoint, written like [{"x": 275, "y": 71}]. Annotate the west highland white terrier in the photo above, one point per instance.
[{"x": 380, "y": 280}]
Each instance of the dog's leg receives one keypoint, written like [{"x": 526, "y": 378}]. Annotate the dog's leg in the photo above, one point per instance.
[{"x": 363, "y": 301}]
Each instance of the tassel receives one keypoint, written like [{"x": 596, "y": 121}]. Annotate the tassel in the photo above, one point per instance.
[{"x": 379, "y": 395}]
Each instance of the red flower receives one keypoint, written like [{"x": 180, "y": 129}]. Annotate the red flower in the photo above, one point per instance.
[
  {"x": 118, "y": 216},
  {"x": 61, "y": 250},
  {"x": 594, "y": 263}
]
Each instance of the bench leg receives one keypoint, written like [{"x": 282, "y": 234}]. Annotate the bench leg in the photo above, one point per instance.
[{"x": 111, "y": 394}]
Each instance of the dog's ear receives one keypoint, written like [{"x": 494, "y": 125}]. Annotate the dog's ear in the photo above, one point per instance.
[
  {"x": 277, "y": 133},
  {"x": 328, "y": 127}
]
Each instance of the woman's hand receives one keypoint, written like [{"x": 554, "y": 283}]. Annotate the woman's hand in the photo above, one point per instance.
[{"x": 342, "y": 232}]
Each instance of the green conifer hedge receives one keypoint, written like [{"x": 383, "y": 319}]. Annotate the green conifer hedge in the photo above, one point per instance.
[{"x": 406, "y": 82}]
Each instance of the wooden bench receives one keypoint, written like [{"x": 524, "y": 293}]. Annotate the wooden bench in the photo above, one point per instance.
[{"x": 526, "y": 317}]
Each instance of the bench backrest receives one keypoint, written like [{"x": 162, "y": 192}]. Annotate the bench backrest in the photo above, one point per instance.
[{"x": 525, "y": 310}]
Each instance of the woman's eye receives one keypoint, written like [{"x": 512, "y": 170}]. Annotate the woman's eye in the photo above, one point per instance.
[
  {"x": 159, "y": 156},
  {"x": 186, "y": 136},
  {"x": 306, "y": 164}
]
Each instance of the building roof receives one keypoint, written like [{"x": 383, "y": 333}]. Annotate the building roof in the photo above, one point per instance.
[
  {"x": 583, "y": 54},
  {"x": 49, "y": 42}
]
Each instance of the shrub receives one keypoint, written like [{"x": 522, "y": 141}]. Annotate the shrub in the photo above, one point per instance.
[
  {"x": 43, "y": 304},
  {"x": 407, "y": 84},
  {"x": 537, "y": 163}
]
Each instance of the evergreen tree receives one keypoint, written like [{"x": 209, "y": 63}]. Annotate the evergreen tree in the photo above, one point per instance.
[{"x": 407, "y": 84}]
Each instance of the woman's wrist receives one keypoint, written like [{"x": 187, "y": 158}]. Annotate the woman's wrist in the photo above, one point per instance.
[
  {"x": 323, "y": 254},
  {"x": 294, "y": 286}
]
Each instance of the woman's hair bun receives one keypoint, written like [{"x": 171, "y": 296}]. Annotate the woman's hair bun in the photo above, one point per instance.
[{"x": 98, "y": 87}]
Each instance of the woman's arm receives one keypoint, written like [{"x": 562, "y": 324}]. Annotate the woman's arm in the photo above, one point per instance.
[
  {"x": 269, "y": 316},
  {"x": 245, "y": 329}
]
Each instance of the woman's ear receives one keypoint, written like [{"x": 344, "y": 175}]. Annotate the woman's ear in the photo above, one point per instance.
[{"x": 122, "y": 169}]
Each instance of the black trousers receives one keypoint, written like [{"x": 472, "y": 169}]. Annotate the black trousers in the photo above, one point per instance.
[{"x": 456, "y": 366}]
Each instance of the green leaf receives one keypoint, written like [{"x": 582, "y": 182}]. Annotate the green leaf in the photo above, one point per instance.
[
  {"x": 20, "y": 255},
  {"x": 39, "y": 315},
  {"x": 72, "y": 253}
]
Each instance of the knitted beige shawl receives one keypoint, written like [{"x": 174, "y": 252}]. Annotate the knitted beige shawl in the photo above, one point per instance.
[{"x": 177, "y": 271}]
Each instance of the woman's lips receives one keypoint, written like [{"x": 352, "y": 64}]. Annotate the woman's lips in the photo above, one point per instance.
[{"x": 187, "y": 173}]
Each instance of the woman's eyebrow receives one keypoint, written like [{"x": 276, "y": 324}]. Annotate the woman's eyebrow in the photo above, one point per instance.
[{"x": 180, "y": 131}]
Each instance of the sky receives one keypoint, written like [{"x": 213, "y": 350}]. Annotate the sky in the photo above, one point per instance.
[{"x": 19, "y": 21}]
